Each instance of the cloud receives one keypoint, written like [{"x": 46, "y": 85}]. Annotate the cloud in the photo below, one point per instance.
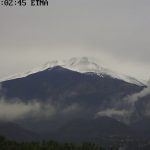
[
  {"x": 122, "y": 115},
  {"x": 127, "y": 109},
  {"x": 16, "y": 109},
  {"x": 116, "y": 29},
  {"x": 10, "y": 111},
  {"x": 135, "y": 97},
  {"x": 112, "y": 112},
  {"x": 71, "y": 108}
]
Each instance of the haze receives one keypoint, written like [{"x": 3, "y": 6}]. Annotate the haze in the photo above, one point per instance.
[{"x": 116, "y": 33}]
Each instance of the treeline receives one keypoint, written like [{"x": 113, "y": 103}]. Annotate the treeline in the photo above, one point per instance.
[{"x": 45, "y": 145}]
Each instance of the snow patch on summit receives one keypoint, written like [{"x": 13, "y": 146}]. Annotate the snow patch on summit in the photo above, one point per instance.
[{"x": 82, "y": 65}]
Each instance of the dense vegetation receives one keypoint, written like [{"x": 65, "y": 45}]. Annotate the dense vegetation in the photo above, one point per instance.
[{"x": 45, "y": 145}]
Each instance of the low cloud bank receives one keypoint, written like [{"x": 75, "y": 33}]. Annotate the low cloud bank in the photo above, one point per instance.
[
  {"x": 126, "y": 108},
  {"x": 113, "y": 112},
  {"x": 16, "y": 109},
  {"x": 11, "y": 110},
  {"x": 135, "y": 97},
  {"x": 120, "y": 115}
]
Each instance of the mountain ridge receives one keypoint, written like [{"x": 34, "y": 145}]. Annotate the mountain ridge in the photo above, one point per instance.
[{"x": 82, "y": 65}]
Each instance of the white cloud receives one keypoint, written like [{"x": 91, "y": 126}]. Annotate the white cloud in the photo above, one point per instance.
[
  {"x": 14, "y": 110},
  {"x": 112, "y": 112},
  {"x": 134, "y": 97},
  {"x": 117, "y": 29},
  {"x": 71, "y": 108}
]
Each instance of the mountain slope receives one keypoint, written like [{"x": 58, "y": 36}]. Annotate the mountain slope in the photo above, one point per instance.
[
  {"x": 60, "y": 83},
  {"x": 15, "y": 132},
  {"x": 93, "y": 129},
  {"x": 71, "y": 93},
  {"x": 74, "y": 95}
]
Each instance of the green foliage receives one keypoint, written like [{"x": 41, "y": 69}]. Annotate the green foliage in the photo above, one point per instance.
[{"x": 45, "y": 145}]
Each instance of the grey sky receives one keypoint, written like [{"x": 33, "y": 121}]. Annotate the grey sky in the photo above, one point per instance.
[{"x": 114, "y": 31}]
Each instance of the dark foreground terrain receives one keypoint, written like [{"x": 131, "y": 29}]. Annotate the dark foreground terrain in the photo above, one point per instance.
[
  {"x": 111, "y": 143},
  {"x": 46, "y": 145}
]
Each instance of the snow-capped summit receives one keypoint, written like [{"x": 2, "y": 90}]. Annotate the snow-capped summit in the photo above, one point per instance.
[{"x": 82, "y": 65}]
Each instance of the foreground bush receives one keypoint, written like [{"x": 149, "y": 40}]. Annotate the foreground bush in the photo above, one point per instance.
[{"x": 45, "y": 145}]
